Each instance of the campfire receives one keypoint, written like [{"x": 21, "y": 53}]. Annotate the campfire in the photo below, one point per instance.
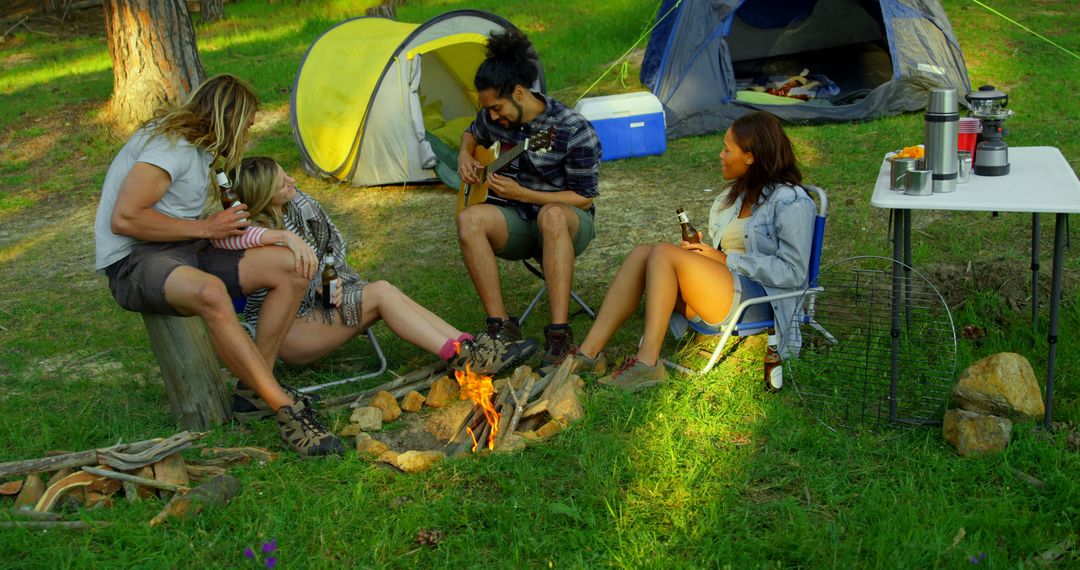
[{"x": 460, "y": 414}]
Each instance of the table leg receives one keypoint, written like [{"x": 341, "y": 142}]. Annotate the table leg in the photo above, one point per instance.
[
  {"x": 894, "y": 357},
  {"x": 907, "y": 270},
  {"x": 1034, "y": 275},
  {"x": 1055, "y": 301}
]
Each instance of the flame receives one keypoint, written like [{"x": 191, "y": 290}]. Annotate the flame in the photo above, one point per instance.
[{"x": 479, "y": 389}]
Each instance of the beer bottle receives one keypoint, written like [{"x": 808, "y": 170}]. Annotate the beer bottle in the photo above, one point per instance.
[
  {"x": 774, "y": 372},
  {"x": 689, "y": 234},
  {"x": 329, "y": 279},
  {"x": 228, "y": 196}
]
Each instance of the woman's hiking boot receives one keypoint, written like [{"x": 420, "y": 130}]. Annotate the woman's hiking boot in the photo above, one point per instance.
[
  {"x": 634, "y": 375},
  {"x": 303, "y": 432},
  {"x": 489, "y": 356}
]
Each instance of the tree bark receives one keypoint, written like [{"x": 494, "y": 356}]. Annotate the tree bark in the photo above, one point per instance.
[
  {"x": 197, "y": 393},
  {"x": 154, "y": 54},
  {"x": 211, "y": 10}
]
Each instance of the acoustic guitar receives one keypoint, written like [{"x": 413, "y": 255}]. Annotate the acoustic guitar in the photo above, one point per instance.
[{"x": 493, "y": 160}]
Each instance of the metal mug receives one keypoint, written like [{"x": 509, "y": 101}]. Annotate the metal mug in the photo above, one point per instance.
[
  {"x": 919, "y": 183},
  {"x": 898, "y": 167},
  {"x": 963, "y": 173}
]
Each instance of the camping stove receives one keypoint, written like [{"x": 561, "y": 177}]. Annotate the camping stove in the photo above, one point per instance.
[{"x": 992, "y": 154}]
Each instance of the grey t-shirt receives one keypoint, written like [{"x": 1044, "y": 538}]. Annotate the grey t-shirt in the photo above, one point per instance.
[{"x": 187, "y": 166}]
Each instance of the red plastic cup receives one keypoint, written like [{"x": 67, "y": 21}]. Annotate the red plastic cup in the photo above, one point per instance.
[{"x": 966, "y": 141}]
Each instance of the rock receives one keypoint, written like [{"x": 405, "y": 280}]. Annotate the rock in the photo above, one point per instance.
[
  {"x": 413, "y": 401},
  {"x": 389, "y": 457},
  {"x": 385, "y": 401},
  {"x": 528, "y": 435},
  {"x": 367, "y": 418},
  {"x": 1001, "y": 384},
  {"x": 443, "y": 391},
  {"x": 416, "y": 461},
  {"x": 562, "y": 400},
  {"x": 370, "y": 446},
  {"x": 971, "y": 433},
  {"x": 511, "y": 443},
  {"x": 442, "y": 423},
  {"x": 350, "y": 430},
  {"x": 549, "y": 429}
]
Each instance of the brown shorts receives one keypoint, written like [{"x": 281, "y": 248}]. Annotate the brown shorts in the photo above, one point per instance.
[{"x": 137, "y": 282}]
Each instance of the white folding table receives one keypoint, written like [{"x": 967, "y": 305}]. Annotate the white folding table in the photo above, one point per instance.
[{"x": 1040, "y": 181}]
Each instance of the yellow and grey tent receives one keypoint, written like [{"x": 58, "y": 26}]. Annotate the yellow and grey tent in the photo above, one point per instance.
[{"x": 370, "y": 92}]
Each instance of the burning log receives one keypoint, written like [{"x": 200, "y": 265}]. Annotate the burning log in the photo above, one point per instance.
[{"x": 519, "y": 408}]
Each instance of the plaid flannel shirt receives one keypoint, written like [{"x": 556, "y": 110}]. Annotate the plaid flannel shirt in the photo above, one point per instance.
[{"x": 572, "y": 163}]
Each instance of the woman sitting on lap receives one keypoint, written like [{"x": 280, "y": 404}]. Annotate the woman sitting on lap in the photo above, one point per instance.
[
  {"x": 281, "y": 214},
  {"x": 761, "y": 229}
]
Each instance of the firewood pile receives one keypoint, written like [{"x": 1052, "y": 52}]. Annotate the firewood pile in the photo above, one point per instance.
[
  {"x": 152, "y": 469},
  {"x": 468, "y": 413}
]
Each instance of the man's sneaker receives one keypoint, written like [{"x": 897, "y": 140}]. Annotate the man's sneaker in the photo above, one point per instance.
[
  {"x": 582, "y": 364},
  {"x": 247, "y": 406},
  {"x": 490, "y": 356},
  {"x": 635, "y": 375},
  {"x": 506, "y": 330},
  {"x": 557, "y": 344},
  {"x": 303, "y": 433}
]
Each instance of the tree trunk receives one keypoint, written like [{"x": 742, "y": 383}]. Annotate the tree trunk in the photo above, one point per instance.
[
  {"x": 155, "y": 58},
  {"x": 197, "y": 393},
  {"x": 211, "y": 10}
]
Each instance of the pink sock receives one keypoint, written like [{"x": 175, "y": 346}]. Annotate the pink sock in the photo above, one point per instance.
[{"x": 449, "y": 348}]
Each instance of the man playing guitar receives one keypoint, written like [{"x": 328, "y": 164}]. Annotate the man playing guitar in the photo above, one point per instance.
[{"x": 550, "y": 193}]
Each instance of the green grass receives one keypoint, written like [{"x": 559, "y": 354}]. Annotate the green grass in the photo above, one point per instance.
[{"x": 706, "y": 471}]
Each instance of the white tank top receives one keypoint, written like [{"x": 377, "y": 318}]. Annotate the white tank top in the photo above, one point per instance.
[{"x": 733, "y": 240}]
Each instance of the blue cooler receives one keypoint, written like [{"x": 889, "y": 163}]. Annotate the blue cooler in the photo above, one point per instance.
[{"x": 630, "y": 124}]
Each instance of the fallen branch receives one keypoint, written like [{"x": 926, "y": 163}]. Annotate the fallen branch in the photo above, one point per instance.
[
  {"x": 164, "y": 485},
  {"x": 416, "y": 376},
  {"x": 127, "y": 457},
  {"x": 35, "y": 515},
  {"x": 67, "y": 525}
]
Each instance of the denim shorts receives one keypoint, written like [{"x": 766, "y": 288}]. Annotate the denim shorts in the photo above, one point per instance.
[{"x": 745, "y": 288}]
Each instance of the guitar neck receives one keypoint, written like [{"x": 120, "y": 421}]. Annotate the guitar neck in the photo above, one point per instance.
[{"x": 506, "y": 157}]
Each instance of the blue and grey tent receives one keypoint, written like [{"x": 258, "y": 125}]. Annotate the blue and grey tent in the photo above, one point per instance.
[{"x": 872, "y": 58}]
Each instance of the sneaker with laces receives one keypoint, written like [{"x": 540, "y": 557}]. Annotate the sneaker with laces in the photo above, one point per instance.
[
  {"x": 506, "y": 330},
  {"x": 634, "y": 375},
  {"x": 303, "y": 432},
  {"x": 490, "y": 356},
  {"x": 247, "y": 406},
  {"x": 557, "y": 344}
]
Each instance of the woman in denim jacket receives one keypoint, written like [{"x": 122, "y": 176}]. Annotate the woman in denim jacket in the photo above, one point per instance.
[{"x": 761, "y": 230}]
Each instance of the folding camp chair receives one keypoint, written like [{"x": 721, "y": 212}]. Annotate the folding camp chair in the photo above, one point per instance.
[
  {"x": 240, "y": 302},
  {"x": 809, "y": 295},
  {"x": 543, "y": 289}
]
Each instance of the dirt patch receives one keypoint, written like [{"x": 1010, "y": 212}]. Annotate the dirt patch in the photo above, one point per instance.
[
  {"x": 1009, "y": 278},
  {"x": 409, "y": 433},
  {"x": 79, "y": 365}
]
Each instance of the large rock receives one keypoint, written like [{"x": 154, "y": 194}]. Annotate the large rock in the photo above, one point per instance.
[
  {"x": 373, "y": 447},
  {"x": 412, "y": 401},
  {"x": 443, "y": 391},
  {"x": 1001, "y": 384},
  {"x": 971, "y": 433},
  {"x": 416, "y": 461},
  {"x": 368, "y": 418},
  {"x": 443, "y": 422},
  {"x": 385, "y": 401}
]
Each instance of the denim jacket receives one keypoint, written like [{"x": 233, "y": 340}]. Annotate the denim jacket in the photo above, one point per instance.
[{"x": 779, "y": 235}]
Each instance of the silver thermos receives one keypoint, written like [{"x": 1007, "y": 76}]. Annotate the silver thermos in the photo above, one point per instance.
[{"x": 939, "y": 138}]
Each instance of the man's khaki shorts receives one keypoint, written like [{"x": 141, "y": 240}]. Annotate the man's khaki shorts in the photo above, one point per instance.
[
  {"x": 525, "y": 241},
  {"x": 137, "y": 282}
]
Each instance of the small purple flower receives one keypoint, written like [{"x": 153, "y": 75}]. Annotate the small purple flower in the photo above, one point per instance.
[
  {"x": 973, "y": 560},
  {"x": 269, "y": 547},
  {"x": 271, "y": 562},
  {"x": 982, "y": 556},
  {"x": 249, "y": 553}
]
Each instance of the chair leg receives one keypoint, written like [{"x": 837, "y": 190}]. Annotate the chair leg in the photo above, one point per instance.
[
  {"x": 382, "y": 369},
  {"x": 532, "y": 305},
  {"x": 588, "y": 310}
]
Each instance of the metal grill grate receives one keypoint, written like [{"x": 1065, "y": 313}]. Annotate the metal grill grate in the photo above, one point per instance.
[{"x": 844, "y": 373}]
